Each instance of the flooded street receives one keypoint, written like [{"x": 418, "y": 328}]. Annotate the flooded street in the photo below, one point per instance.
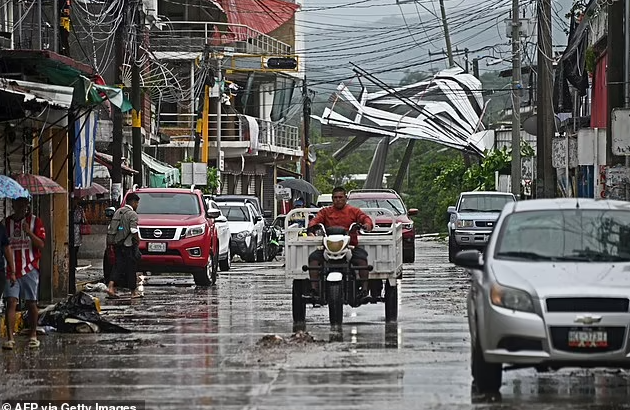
[{"x": 215, "y": 348}]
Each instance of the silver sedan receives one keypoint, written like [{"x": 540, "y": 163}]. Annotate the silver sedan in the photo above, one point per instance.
[{"x": 552, "y": 289}]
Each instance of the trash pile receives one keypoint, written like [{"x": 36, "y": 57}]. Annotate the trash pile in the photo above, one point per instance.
[
  {"x": 300, "y": 337},
  {"x": 78, "y": 314}
]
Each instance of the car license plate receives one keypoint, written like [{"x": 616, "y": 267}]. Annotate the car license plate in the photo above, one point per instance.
[
  {"x": 156, "y": 247},
  {"x": 588, "y": 338}
]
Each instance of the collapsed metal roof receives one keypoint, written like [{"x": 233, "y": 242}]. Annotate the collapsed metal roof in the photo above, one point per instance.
[{"x": 446, "y": 109}]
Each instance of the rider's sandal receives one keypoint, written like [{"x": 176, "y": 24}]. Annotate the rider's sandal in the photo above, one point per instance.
[
  {"x": 33, "y": 343},
  {"x": 8, "y": 345}
]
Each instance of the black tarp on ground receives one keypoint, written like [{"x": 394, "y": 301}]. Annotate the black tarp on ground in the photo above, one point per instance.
[{"x": 81, "y": 307}]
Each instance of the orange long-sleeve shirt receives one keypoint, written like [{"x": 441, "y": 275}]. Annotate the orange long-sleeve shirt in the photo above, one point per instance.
[{"x": 344, "y": 217}]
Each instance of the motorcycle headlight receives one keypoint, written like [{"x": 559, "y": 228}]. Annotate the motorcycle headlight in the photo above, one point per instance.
[
  {"x": 195, "y": 231},
  {"x": 334, "y": 245},
  {"x": 462, "y": 223},
  {"x": 510, "y": 298},
  {"x": 243, "y": 234}
]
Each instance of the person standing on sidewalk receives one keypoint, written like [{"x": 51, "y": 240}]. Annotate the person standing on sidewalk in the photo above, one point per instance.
[
  {"x": 26, "y": 238},
  {"x": 8, "y": 258},
  {"x": 78, "y": 215},
  {"x": 122, "y": 232}
]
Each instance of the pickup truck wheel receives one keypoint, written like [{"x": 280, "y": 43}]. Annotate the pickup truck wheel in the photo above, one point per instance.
[
  {"x": 206, "y": 276},
  {"x": 453, "y": 249},
  {"x": 487, "y": 377},
  {"x": 335, "y": 304},
  {"x": 299, "y": 306},
  {"x": 409, "y": 255},
  {"x": 391, "y": 303},
  {"x": 226, "y": 263}
]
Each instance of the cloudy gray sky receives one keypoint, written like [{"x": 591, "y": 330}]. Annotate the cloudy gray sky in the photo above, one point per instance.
[{"x": 388, "y": 38}]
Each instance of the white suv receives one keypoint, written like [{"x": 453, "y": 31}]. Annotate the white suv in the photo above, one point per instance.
[{"x": 247, "y": 228}]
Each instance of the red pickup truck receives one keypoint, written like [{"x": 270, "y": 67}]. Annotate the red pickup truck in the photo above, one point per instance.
[
  {"x": 389, "y": 199},
  {"x": 177, "y": 233}
]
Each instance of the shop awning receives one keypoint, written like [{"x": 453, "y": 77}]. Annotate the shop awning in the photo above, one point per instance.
[
  {"x": 166, "y": 175},
  {"x": 106, "y": 160},
  {"x": 16, "y": 96}
]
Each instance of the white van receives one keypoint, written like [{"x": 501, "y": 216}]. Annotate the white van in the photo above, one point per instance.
[{"x": 324, "y": 200}]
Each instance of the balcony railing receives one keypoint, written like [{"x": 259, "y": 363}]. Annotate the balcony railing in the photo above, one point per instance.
[
  {"x": 233, "y": 129},
  {"x": 192, "y": 36},
  {"x": 278, "y": 135}
]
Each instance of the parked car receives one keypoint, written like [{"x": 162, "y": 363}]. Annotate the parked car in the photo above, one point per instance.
[
  {"x": 389, "y": 199},
  {"x": 252, "y": 199},
  {"x": 551, "y": 290},
  {"x": 472, "y": 220},
  {"x": 324, "y": 200},
  {"x": 247, "y": 228},
  {"x": 177, "y": 234},
  {"x": 225, "y": 236}
]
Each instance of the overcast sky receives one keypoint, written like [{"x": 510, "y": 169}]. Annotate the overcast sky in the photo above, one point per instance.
[{"x": 383, "y": 33}]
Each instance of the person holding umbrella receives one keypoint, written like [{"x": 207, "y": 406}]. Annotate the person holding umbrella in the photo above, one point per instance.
[{"x": 9, "y": 188}]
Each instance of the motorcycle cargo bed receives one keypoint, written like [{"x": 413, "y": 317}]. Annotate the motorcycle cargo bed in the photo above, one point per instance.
[{"x": 384, "y": 250}]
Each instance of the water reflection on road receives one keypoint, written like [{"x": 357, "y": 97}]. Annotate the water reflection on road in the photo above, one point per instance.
[{"x": 201, "y": 348}]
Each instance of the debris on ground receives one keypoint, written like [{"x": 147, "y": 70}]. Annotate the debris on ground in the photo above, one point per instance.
[
  {"x": 300, "y": 337},
  {"x": 96, "y": 287},
  {"x": 78, "y": 314}
]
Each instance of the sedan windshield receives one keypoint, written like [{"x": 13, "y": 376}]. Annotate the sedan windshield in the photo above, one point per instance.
[
  {"x": 484, "y": 203},
  {"x": 235, "y": 213},
  {"x": 393, "y": 204},
  {"x": 166, "y": 203},
  {"x": 570, "y": 235}
]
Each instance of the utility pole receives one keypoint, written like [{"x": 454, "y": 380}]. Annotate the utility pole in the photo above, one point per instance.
[
  {"x": 219, "y": 109},
  {"x": 614, "y": 71},
  {"x": 117, "y": 120},
  {"x": 626, "y": 75},
  {"x": 516, "y": 100},
  {"x": 307, "y": 133},
  {"x": 447, "y": 37},
  {"x": 136, "y": 113},
  {"x": 545, "y": 127}
]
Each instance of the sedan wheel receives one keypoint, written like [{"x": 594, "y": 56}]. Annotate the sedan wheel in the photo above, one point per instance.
[{"x": 487, "y": 377}]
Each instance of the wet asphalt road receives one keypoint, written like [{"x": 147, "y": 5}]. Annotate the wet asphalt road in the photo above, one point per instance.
[{"x": 210, "y": 348}]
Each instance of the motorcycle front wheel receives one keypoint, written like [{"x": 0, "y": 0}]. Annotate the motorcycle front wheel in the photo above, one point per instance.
[{"x": 335, "y": 303}]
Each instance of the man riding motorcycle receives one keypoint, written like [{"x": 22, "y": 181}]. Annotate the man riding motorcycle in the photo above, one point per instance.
[{"x": 342, "y": 215}]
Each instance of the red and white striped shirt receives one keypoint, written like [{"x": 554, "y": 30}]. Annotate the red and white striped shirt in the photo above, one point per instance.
[{"x": 25, "y": 254}]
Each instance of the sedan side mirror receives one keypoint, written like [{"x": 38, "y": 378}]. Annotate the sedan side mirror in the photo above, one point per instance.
[
  {"x": 412, "y": 212},
  {"x": 258, "y": 218},
  {"x": 109, "y": 212},
  {"x": 470, "y": 258},
  {"x": 220, "y": 218},
  {"x": 451, "y": 209},
  {"x": 213, "y": 213}
]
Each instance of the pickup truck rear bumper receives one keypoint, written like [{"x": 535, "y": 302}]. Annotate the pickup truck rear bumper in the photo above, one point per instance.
[{"x": 472, "y": 238}]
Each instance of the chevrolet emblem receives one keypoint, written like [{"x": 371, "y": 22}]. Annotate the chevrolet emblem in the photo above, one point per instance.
[{"x": 588, "y": 320}]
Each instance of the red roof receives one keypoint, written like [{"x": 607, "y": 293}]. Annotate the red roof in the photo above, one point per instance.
[{"x": 262, "y": 15}]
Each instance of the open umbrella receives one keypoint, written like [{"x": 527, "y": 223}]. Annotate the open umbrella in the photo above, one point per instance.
[
  {"x": 94, "y": 189},
  {"x": 39, "y": 184},
  {"x": 300, "y": 185},
  {"x": 10, "y": 188}
]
